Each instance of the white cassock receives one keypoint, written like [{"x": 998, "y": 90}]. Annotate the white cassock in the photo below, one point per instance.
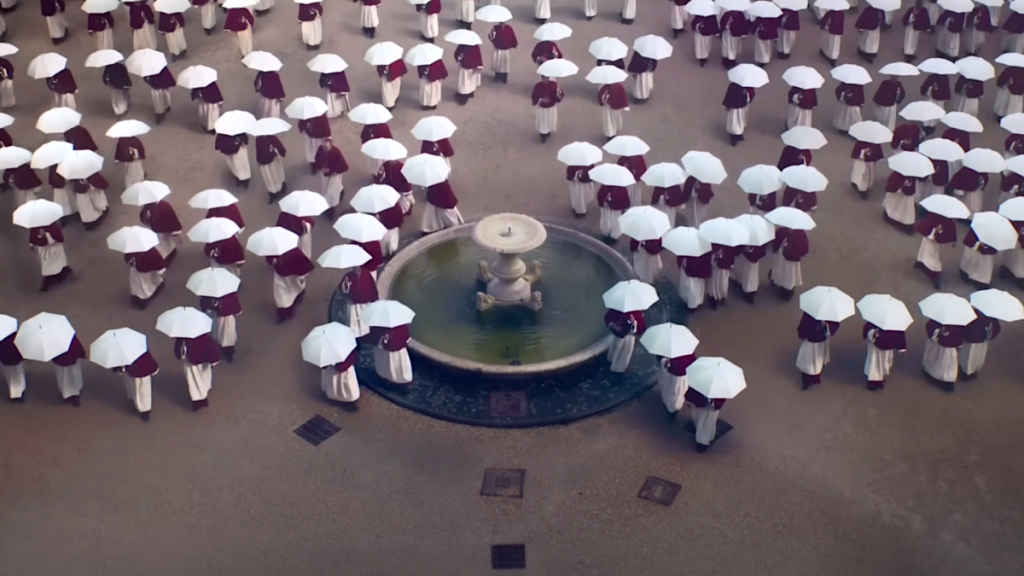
[
  {"x": 270, "y": 107},
  {"x": 287, "y": 289},
  {"x": 435, "y": 218},
  {"x": 785, "y": 274},
  {"x": 176, "y": 41},
  {"x": 144, "y": 284},
  {"x": 886, "y": 115},
  {"x": 678, "y": 17},
  {"x": 144, "y": 37},
  {"x": 312, "y": 32},
  {"x": 161, "y": 100},
  {"x": 590, "y": 8},
  {"x": 15, "y": 377},
  {"x": 64, "y": 101},
  {"x": 878, "y": 363},
  {"x": 134, "y": 172},
  {"x": 389, "y": 243},
  {"x": 900, "y": 208},
  {"x": 69, "y": 380},
  {"x": 208, "y": 114},
  {"x": 962, "y": 103},
  {"x": 541, "y": 9},
  {"x": 940, "y": 362},
  {"x": 798, "y": 116},
  {"x": 812, "y": 357},
  {"x": 647, "y": 266},
  {"x": 701, "y": 46},
  {"x": 705, "y": 420},
  {"x": 1014, "y": 261},
  {"x": 672, "y": 388},
  {"x": 468, "y": 81},
  {"x": 7, "y": 99},
  {"x": 333, "y": 186},
  {"x": 430, "y": 92},
  {"x": 731, "y": 45},
  {"x": 1007, "y": 103},
  {"x": 948, "y": 42},
  {"x": 104, "y": 39},
  {"x": 862, "y": 175},
  {"x": 140, "y": 391},
  {"x": 273, "y": 175},
  {"x": 52, "y": 260},
  {"x": 928, "y": 254},
  {"x": 393, "y": 366},
  {"x": 200, "y": 380},
  {"x": 466, "y": 11},
  {"x": 337, "y": 103},
  {"x": 669, "y": 211},
  {"x": 717, "y": 286},
  {"x": 340, "y": 386},
  {"x": 355, "y": 319},
  {"x": 691, "y": 290},
  {"x": 238, "y": 163},
  {"x": 610, "y": 222},
  {"x": 620, "y": 352},
  {"x": 389, "y": 91},
  {"x": 91, "y": 205},
  {"x": 581, "y": 195},
  {"x": 628, "y": 9},
  {"x": 911, "y": 38},
  {"x": 306, "y": 240},
  {"x": 57, "y": 26},
  {"x": 845, "y": 117},
  {"x": 546, "y": 120},
  {"x": 869, "y": 41},
  {"x": 736, "y": 120},
  {"x": 786, "y": 40},
  {"x": 829, "y": 44},
  {"x": 746, "y": 274},
  {"x": 23, "y": 196},
  {"x": 763, "y": 50},
  {"x": 976, "y": 265},
  {"x": 311, "y": 145},
  {"x": 368, "y": 16},
  {"x": 643, "y": 83},
  {"x": 225, "y": 331},
  {"x": 501, "y": 61},
  {"x": 611, "y": 121},
  {"x": 244, "y": 39},
  {"x": 208, "y": 16}
]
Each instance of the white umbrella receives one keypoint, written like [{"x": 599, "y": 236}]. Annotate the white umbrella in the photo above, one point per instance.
[
  {"x": 803, "y": 77},
  {"x": 606, "y": 75},
  {"x": 885, "y": 312},
  {"x": 270, "y": 127},
  {"x": 171, "y": 6},
  {"x": 374, "y": 198},
  {"x": 146, "y": 62},
  {"x": 942, "y": 150},
  {"x": 911, "y": 164},
  {"x": 974, "y": 68},
  {"x": 991, "y": 3},
  {"x": 306, "y": 107},
  {"x": 704, "y": 167},
  {"x": 663, "y": 175},
  {"x": 8, "y": 326},
  {"x": 789, "y": 217},
  {"x": 557, "y": 68},
  {"x": 806, "y": 178},
  {"x": 832, "y": 4},
  {"x": 899, "y": 69},
  {"x": 80, "y": 164},
  {"x": 947, "y": 309},
  {"x": 328, "y": 344},
  {"x": 235, "y": 122},
  {"x": 947, "y": 206},
  {"x": 1012, "y": 209},
  {"x": 184, "y": 322},
  {"x": 626, "y": 146},
  {"x": 433, "y": 128},
  {"x": 1011, "y": 59},
  {"x": 370, "y": 113},
  {"x": 611, "y": 175},
  {"x": 994, "y": 230},
  {"x": 748, "y": 76},
  {"x": 103, "y": 58},
  {"x": 871, "y": 132},
  {"x": 762, "y": 9},
  {"x": 383, "y": 54},
  {"x": 984, "y": 160},
  {"x": 359, "y": 227},
  {"x": 760, "y": 179},
  {"x": 145, "y": 192},
  {"x": 303, "y": 203},
  {"x": 643, "y": 223},
  {"x": 493, "y": 14},
  {"x": 14, "y": 156},
  {"x": 653, "y": 47},
  {"x": 213, "y": 230},
  {"x": 794, "y": 5},
  {"x": 344, "y": 256},
  {"x": 272, "y": 241},
  {"x": 959, "y": 6},
  {"x": 1017, "y": 6},
  {"x": 463, "y": 38},
  {"x": 426, "y": 170},
  {"x": 212, "y": 198},
  {"x": 327, "y": 64},
  {"x": 118, "y": 348},
  {"x": 610, "y": 49},
  {"x": 384, "y": 149},
  {"x": 962, "y": 121},
  {"x": 827, "y": 304},
  {"x": 733, "y": 5},
  {"x": 50, "y": 154},
  {"x": 724, "y": 231},
  {"x": 715, "y": 378},
  {"x": 703, "y": 8},
  {"x": 685, "y": 241},
  {"x": 804, "y": 138},
  {"x": 885, "y": 5},
  {"x": 580, "y": 154},
  {"x": 37, "y": 213},
  {"x": 1013, "y": 123},
  {"x": 198, "y": 76},
  {"x": 387, "y": 314},
  {"x": 552, "y": 32},
  {"x": 998, "y": 304},
  {"x": 127, "y": 129},
  {"x": 938, "y": 66},
  {"x": 851, "y": 74},
  {"x": 7, "y": 49},
  {"x": 1015, "y": 164},
  {"x": 132, "y": 239},
  {"x": 424, "y": 54},
  {"x": 6, "y": 119},
  {"x": 761, "y": 231},
  {"x": 213, "y": 283},
  {"x": 262, "y": 61},
  {"x": 228, "y": 4},
  {"x": 630, "y": 296},
  {"x": 46, "y": 65},
  {"x": 669, "y": 340},
  {"x": 44, "y": 336},
  {"x": 58, "y": 120}
]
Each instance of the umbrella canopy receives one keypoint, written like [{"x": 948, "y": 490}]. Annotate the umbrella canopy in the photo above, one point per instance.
[
  {"x": 198, "y": 76},
  {"x": 44, "y": 336},
  {"x": 235, "y": 122},
  {"x": 789, "y": 217},
  {"x": 653, "y": 47},
  {"x": 145, "y": 192},
  {"x": 304, "y": 204},
  {"x": 997, "y": 304},
  {"x": 804, "y": 138},
  {"x": 212, "y": 198},
  {"x": 370, "y": 113},
  {"x": 239, "y": 4},
  {"x": 171, "y": 6},
  {"x": 922, "y": 111},
  {"x": 6, "y": 120},
  {"x": 606, "y": 75},
  {"x": 1013, "y": 123},
  {"x": 359, "y": 227},
  {"x": 463, "y": 38},
  {"x": 911, "y": 164},
  {"x": 974, "y": 68},
  {"x": 871, "y": 132},
  {"x": 306, "y": 107},
  {"x": 994, "y": 230},
  {"x": 938, "y": 66},
  {"x": 644, "y": 223},
  {"x": 899, "y": 69},
  {"x": 46, "y": 65},
  {"x": 14, "y": 156},
  {"x": 262, "y": 61},
  {"x": 328, "y": 345},
  {"x": 991, "y": 3},
  {"x": 374, "y": 198},
  {"x": 724, "y": 231},
  {"x": 384, "y": 149},
  {"x": 102, "y": 58},
  {"x": 118, "y": 348},
  {"x": 7, "y": 49},
  {"x": 715, "y": 378},
  {"x": 803, "y": 77},
  {"x": 730, "y": 5},
  {"x": 127, "y": 129},
  {"x": 748, "y": 76},
  {"x": 704, "y": 166},
  {"x": 213, "y": 283},
  {"x": 1015, "y": 164},
  {"x": 762, "y": 9},
  {"x": 1011, "y": 59},
  {"x": 50, "y": 154},
  {"x": 827, "y": 304},
  {"x": 669, "y": 340},
  {"x": 942, "y": 150},
  {"x": 557, "y": 68},
  {"x": 984, "y": 160},
  {"x": 630, "y": 296},
  {"x": 387, "y": 314},
  {"x": 851, "y": 74},
  {"x": 664, "y": 174},
  {"x": 146, "y": 62},
  {"x": 327, "y": 64},
  {"x": 552, "y": 32},
  {"x": 806, "y": 178},
  {"x": 270, "y": 127},
  {"x": 1017, "y": 6},
  {"x": 58, "y": 120},
  {"x": 213, "y": 230},
  {"x": 832, "y": 5},
  {"x": 383, "y": 53},
  {"x": 962, "y": 121},
  {"x": 8, "y": 326},
  {"x": 132, "y": 240},
  {"x": 37, "y": 213},
  {"x": 610, "y": 49},
  {"x": 493, "y": 14},
  {"x": 1012, "y": 209},
  {"x": 760, "y": 179},
  {"x": 184, "y": 322},
  {"x": 760, "y": 230},
  {"x": 794, "y": 5},
  {"x": 611, "y": 175},
  {"x": 686, "y": 242},
  {"x": 580, "y": 154},
  {"x": 626, "y": 146},
  {"x": 433, "y": 128},
  {"x": 80, "y": 164},
  {"x": 344, "y": 256},
  {"x": 947, "y": 309},
  {"x": 424, "y": 54},
  {"x": 426, "y": 170},
  {"x": 947, "y": 206},
  {"x": 958, "y": 6},
  {"x": 885, "y": 312},
  {"x": 885, "y": 5},
  {"x": 703, "y": 8},
  {"x": 272, "y": 241}
]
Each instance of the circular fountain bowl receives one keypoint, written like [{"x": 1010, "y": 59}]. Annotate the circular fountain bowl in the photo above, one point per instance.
[{"x": 436, "y": 276}]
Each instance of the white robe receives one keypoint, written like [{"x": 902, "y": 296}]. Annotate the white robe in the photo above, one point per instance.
[
  {"x": 435, "y": 218},
  {"x": 134, "y": 172},
  {"x": 144, "y": 37},
  {"x": 208, "y": 16},
  {"x": 430, "y": 92},
  {"x": 647, "y": 266},
  {"x": 355, "y": 319},
  {"x": 140, "y": 392},
  {"x": 1014, "y": 261},
  {"x": 829, "y": 44},
  {"x": 886, "y": 115},
  {"x": 52, "y": 260},
  {"x": 287, "y": 289},
  {"x": 57, "y": 26},
  {"x": 312, "y": 32},
  {"x": 705, "y": 420},
  {"x": 869, "y": 40},
  {"x": 15, "y": 377},
  {"x": 368, "y": 16},
  {"x": 91, "y": 205},
  {"x": 469, "y": 80},
  {"x": 161, "y": 100},
  {"x": 845, "y": 117},
  {"x": 337, "y": 104},
  {"x": 643, "y": 83},
  {"x": 273, "y": 175},
  {"x": 678, "y": 17},
  {"x": 340, "y": 386},
  {"x": 911, "y": 38},
  {"x": 940, "y": 362},
  {"x": 669, "y": 211},
  {"x": 270, "y": 107},
  {"x": 928, "y": 254},
  {"x": 948, "y": 42},
  {"x": 64, "y": 101},
  {"x": 69, "y": 379},
  {"x": 208, "y": 115},
  {"x": 581, "y": 195},
  {"x": 628, "y": 9},
  {"x": 878, "y": 363},
  {"x": 238, "y": 163},
  {"x": 390, "y": 90},
  {"x": 972, "y": 357},
  {"x": 812, "y": 357},
  {"x": 736, "y": 120},
  {"x": 900, "y": 208},
  {"x": 542, "y": 9},
  {"x": 143, "y": 285},
  {"x": 225, "y": 331},
  {"x": 244, "y": 39},
  {"x": 976, "y": 265},
  {"x": 701, "y": 46},
  {"x": 786, "y": 40},
  {"x": 731, "y": 45},
  {"x": 332, "y": 186},
  {"x": 610, "y": 222},
  {"x": 799, "y": 117},
  {"x": 7, "y": 99},
  {"x": 1007, "y": 103},
  {"x": 611, "y": 121},
  {"x": 746, "y": 274},
  {"x": 717, "y": 286},
  {"x": 176, "y": 41},
  {"x": 104, "y": 39},
  {"x": 200, "y": 380},
  {"x": 393, "y": 366},
  {"x": 501, "y": 61},
  {"x": 429, "y": 25},
  {"x": 620, "y": 352},
  {"x": 546, "y": 120},
  {"x": 311, "y": 145},
  {"x": 389, "y": 243},
  {"x": 786, "y": 274},
  {"x": 691, "y": 290},
  {"x": 966, "y": 105},
  {"x": 763, "y": 50},
  {"x": 466, "y": 11},
  {"x": 672, "y": 389}
]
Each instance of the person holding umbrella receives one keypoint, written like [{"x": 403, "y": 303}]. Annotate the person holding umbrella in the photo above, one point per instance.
[
  {"x": 210, "y": 101},
  {"x": 82, "y": 169},
  {"x": 908, "y": 169},
  {"x": 626, "y": 302},
  {"x": 673, "y": 345},
  {"x": 502, "y": 37},
  {"x": 431, "y": 71},
  {"x": 823, "y": 309},
  {"x": 970, "y": 181},
  {"x": 160, "y": 85},
  {"x": 50, "y": 338},
  {"x": 746, "y": 272},
  {"x": 100, "y": 24},
  {"x": 366, "y": 232},
  {"x": 951, "y": 25},
  {"x": 647, "y": 50},
  {"x": 630, "y": 150},
  {"x": 580, "y": 158},
  {"x": 115, "y": 77},
  {"x": 703, "y": 170},
  {"x": 705, "y": 27},
  {"x": 968, "y": 91},
  {"x": 989, "y": 234},
  {"x": 239, "y": 21},
  {"x": 915, "y": 21},
  {"x": 441, "y": 148},
  {"x": 69, "y": 368},
  {"x": 267, "y": 83},
  {"x": 7, "y": 99},
  {"x": 666, "y": 178},
  {"x": 799, "y": 141},
  {"x": 790, "y": 245},
  {"x": 390, "y": 174},
  {"x": 390, "y": 71},
  {"x": 42, "y": 219},
  {"x": 141, "y": 19},
  {"x": 979, "y": 23},
  {"x": 171, "y": 25},
  {"x": 693, "y": 257},
  {"x": 56, "y": 25},
  {"x": 313, "y": 125},
  {"x": 991, "y": 306},
  {"x": 909, "y": 135},
  {"x": 310, "y": 12},
  {"x": 227, "y": 252},
  {"x": 270, "y": 154},
  {"x": 56, "y": 181},
  {"x": 382, "y": 202},
  {"x": 937, "y": 227},
  {"x": 831, "y": 23},
  {"x": 789, "y": 23},
  {"x": 11, "y": 360},
  {"x": 359, "y": 286},
  {"x": 645, "y": 225},
  {"x": 194, "y": 348},
  {"x": 1010, "y": 96},
  {"x": 470, "y": 61},
  {"x": 332, "y": 348},
  {"x": 125, "y": 352},
  {"x": 947, "y": 316},
  {"x": 233, "y": 143},
  {"x": 724, "y": 235},
  {"x": 886, "y": 320},
  {"x": 1011, "y": 184},
  {"x": 207, "y": 14},
  {"x": 129, "y": 150},
  {"x": 869, "y": 24},
  {"x": 157, "y": 214},
  {"x": 743, "y": 78},
  {"x": 1013, "y": 41},
  {"x": 546, "y": 48},
  {"x": 21, "y": 176},
  {"x": 333, "y": 81},
  {"x": 296, "y": 216},
  {"x": 290, "y": 265},
  {"x": 331, "y": 164},
  {"x": 219, "y": 204},
  {"x": 146, "y": 266},
  {"x": 767, "y": 18},
  {"x": 802, "y": 186},
  {"x": 803, "y": 94},
  {"x": 62, "y": 84},
  {"x": 850, "y": 94},
  {"x": 389, "y": 332},
  {"x": 889, "y": 95},
  {"x": 866, "y": 154},
  {"x": 936, "y": 87},
  {"x": 711, "y": 381},
  {"x": 735, "y": 27},
  {"x": 217, "y": 289},
  {"x": 612, "y": 196},
  {"x": 611, "y": 97},
  {"x": 761, "y": 183}
]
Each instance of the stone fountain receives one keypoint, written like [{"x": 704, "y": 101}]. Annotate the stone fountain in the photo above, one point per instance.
[{"x": 509, "y": 280}]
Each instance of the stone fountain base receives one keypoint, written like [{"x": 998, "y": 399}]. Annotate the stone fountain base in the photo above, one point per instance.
[{"x": 509, "y": 283}]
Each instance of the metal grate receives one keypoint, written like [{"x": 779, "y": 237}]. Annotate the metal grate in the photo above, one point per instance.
[
  {"x": 316, "y": 430},
  {"x": 508, "y": 557},
  {"x": 721, "y": 429},
  {"x": 659, "y": 491},
  {"x": 508, "y": 404},
  {"x": 504, "y": 482}
]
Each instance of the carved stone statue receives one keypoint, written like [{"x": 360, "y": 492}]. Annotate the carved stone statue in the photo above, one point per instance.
[{"x": 509, "y": 280}]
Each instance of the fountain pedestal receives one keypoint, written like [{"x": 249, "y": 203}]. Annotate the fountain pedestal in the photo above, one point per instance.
[{"x": 509, "y": 280}]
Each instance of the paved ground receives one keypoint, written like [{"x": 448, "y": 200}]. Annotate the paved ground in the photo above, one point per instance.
[{"x": 835, "y": 481}]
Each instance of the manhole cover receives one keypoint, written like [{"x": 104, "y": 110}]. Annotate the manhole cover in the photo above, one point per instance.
[
  {"x": 506, "y": 482},
  {"x": 660, "y": 491},
  {"x": 721, "y": 429},
  {"x": 508, "y": 404},
  {"x": 316, "y": 430},
  {"x": 508, "y": 557}
]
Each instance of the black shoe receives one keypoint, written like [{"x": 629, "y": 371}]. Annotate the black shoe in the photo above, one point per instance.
[
  {"x": 712, "y": 303},
  {"x": 144, "y": 416},
  {"x": 702, "y": 448},
  {"x": 75, "y": 401},
  {"x": 19, "y": 399},
  {"x": 544, "y": 138}
]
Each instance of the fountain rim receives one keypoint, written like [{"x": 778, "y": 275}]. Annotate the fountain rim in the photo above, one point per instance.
[{"x": 622, "y": 268}]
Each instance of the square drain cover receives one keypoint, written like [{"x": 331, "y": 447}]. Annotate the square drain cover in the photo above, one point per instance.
[
  {"x": 506, "y": 482},
  {"x": 508, "y": 404},
  {"x": 508, "y": 557},
  {"x": 316, "y": 430},
  {"x": 660, "y": 491},
  {"x": 721, "y": 429}
]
